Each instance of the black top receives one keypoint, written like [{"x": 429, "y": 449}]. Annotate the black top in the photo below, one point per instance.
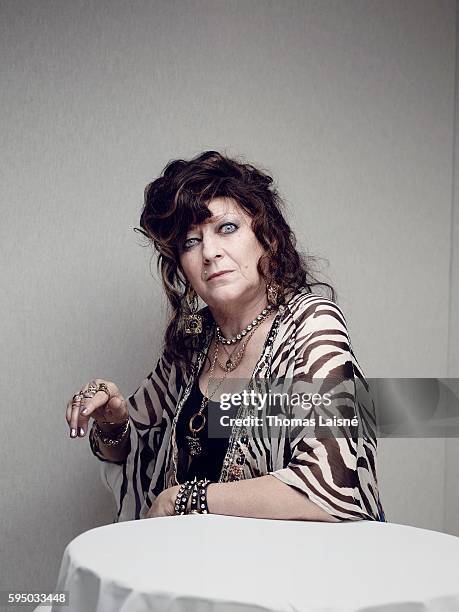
[{"x": 209, "y": 463}]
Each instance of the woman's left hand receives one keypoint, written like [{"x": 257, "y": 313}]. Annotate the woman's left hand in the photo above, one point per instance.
[{"x": 164, "y": 504}]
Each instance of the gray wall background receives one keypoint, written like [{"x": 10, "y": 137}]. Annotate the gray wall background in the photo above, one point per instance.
[{"x": 350, "y": 104}]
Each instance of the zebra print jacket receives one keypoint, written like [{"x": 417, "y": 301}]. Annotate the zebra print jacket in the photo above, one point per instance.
[{"x": 308, "y": 349}]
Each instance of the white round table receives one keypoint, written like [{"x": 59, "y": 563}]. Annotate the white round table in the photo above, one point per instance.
[{"x": 211, "y": 563}]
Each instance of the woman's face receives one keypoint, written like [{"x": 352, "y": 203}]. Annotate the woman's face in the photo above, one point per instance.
[{"x": 224, "y": 243}]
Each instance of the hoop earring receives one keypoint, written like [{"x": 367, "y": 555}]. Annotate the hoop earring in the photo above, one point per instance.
[{"x": 192, "y": 320}]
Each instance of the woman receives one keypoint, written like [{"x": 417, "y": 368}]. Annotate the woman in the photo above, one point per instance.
[{"x": 220, "y": 235}]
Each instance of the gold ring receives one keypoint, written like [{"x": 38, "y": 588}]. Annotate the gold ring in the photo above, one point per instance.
[
  {"x": 89, "y": 393},
  {"x": 103, "y": 387},
  {"x": 91, "y": 390}
]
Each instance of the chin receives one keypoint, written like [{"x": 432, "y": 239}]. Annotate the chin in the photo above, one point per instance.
[{"x": 224, "y": 295}]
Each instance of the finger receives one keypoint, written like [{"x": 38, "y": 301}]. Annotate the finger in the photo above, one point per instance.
[
  {"x": 68, "y": 412},
  {"x": 110, "y": 411},
  {"x": 83, "y": 425},
  {"x": 79, "y": 422},
  {"x": 74, "y": 416},
  {"x": 75, "y": 401},
  {"x": 101, "y": 399},
  {"x": 84, "y": 407},
  {"x": 113, "y": 411}
]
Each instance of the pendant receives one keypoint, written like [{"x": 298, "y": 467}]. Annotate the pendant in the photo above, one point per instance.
[
  {"x": 194, "y": 446},
  {"x": 229, "y": 365},
  {"x": 193, "y": 324}
]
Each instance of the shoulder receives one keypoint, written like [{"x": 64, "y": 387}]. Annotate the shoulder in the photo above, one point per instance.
[
  {"x": 309, "y": 312},
  {"x": 320, "y": 337}
]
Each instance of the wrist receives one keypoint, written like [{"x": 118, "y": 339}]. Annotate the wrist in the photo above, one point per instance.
[
  {"x": 198, "y": 498},
  {"x": 191, "y": 497},
  {"x": 182, "y": 497},
  {"x": 116, "y": 436},
  {"x": 111, "y": 427}
]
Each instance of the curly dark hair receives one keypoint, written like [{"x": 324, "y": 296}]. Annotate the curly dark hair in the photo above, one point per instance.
[{"x": 178, "y": 199}]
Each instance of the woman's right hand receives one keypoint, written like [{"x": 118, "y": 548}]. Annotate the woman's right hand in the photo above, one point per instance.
[{"x": 100, "y": 407}]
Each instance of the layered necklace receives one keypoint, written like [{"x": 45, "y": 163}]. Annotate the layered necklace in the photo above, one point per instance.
[
  {"x": 243, "y": 336},
  {"x": 198, "y": 420},
  {"x": 238, "y": 337}
]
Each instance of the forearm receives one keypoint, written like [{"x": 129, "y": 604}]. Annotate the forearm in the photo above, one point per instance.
[{"x": 263, "y": 497}]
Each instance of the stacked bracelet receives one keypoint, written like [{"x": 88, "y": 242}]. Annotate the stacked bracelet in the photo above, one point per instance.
[
  {"x": 199, "y": 497},
  {"x": 197, "y": 489},
  {"x": 183, "y": 496},
  {"x": 113, "y": 438}
]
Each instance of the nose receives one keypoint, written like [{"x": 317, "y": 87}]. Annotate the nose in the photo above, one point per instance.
[{"x": 210, "y": 249}]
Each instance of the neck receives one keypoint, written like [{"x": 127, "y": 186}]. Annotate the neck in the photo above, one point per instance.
[{"x": 234, "y": 318}]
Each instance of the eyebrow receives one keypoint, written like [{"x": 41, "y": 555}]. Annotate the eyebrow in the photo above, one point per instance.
[{"x": 213, "y": 219}]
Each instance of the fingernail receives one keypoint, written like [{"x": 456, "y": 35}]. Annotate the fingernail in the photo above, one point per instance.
[
  {"x": 83, "y": 411},
  {"x": 73, "y": 433},
  {"x": 81, "y": 432}
]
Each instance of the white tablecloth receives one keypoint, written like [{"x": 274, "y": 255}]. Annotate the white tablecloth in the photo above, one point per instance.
[{"x": 216, "y": 563}]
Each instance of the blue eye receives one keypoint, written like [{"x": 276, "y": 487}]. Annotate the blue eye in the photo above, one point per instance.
[
  {"x": 187, "y": 245},
  {"x": 233, "y": 225},
  {"x": 225, "y": 228}
]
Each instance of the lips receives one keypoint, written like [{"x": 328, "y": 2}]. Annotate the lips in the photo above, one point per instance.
[{"x": 217, "y": 274}]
